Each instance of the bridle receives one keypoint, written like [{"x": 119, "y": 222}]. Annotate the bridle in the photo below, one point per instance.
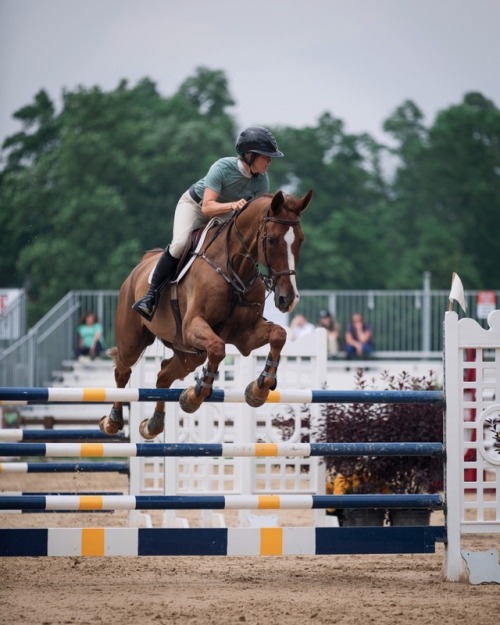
[
  {"x": 272, "y": 275},
  {"x": 231, "y": 275}
]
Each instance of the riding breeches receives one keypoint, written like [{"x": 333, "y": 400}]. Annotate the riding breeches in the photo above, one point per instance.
[{"x": 188, "y": 217}]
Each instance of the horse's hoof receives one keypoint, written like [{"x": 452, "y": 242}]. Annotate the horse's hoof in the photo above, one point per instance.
[
  {"x": 186, "y": 402},
  {"x": 151, "y": 428},
  {"x": 252, "y": 399},
  {"x": 108, "y": 426},
  {"x": 144, "y": 432}
]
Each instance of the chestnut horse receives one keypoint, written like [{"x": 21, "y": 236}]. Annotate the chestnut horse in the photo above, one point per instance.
[{"x": 220, "y": 300}]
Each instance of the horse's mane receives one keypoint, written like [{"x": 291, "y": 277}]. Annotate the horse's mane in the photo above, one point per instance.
[
  {"x": 293, "y": 204},
  {"x": 255, "y": 200}
]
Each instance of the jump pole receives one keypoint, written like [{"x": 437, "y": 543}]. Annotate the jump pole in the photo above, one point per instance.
[
  {"x": 64, "y": 467},
  {"x": 267, "y": 541},
  {"x": 227, "y": 450},
  {"x": 304, "y": 396},
  {"x": 216, "y": 502}
]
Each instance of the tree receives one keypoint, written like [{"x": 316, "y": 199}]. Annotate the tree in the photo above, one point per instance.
[
  {"x": 446, "y": 194},
  {"x": 208, "y": 92},
  {"x": 79, "y": 210},
  {"x": 24, "y": 147},
  {"x": 342, "y": 226}
]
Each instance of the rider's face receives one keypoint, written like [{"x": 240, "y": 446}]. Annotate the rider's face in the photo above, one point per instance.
[{"x": 261, "y": 163}]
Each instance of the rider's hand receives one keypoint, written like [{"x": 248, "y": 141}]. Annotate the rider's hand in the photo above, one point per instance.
[{"x": 238, "y": 205}]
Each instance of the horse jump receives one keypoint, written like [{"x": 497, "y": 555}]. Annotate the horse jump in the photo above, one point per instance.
[
  {"x": 228, "y": 541},
  {"x": 461, "y": 335}
]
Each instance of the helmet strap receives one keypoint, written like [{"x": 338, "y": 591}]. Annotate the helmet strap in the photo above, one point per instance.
[
  {"x": 249, "y": 158},
  {"x": 243, "y": 168}
]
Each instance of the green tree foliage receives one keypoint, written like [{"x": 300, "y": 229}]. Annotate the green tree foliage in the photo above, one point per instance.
[
  {"x": 447, "y": 193},
  {"x": 85, "y": 191},
  {"x": 342, "y": 227}
]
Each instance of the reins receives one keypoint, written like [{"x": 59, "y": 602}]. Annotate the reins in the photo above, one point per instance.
[{"x": 230, "y": 274}]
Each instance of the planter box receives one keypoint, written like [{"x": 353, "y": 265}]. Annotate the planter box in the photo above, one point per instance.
[
  {"x": 362, "y": 517},
  {"x": 412, "y": 516}
]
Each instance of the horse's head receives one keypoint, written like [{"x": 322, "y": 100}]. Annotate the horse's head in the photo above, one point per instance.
[{"x": 280, "y": 245}]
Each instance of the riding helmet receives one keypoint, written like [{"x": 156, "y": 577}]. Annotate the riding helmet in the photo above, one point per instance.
[{"x": 258, "y": 140}]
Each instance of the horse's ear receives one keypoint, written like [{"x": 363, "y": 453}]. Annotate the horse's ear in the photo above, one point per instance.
[
  {"x": 277, "y": 201},
  {"x": 306, "y": 199}
]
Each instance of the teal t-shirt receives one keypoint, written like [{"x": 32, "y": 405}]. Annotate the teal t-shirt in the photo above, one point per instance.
[
  {"x": 225, "y": 177},
  {"x": 87, "y": 333}
]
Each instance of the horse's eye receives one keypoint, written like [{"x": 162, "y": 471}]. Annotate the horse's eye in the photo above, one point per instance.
[{"x": 272, "y": 240}]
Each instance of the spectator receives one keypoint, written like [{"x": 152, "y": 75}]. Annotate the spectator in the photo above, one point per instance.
[
  {"x": 300, "y": 326},
  {"x": 358, "y": 338},
  {"x": 90, "y": 339},
  {"x": 332, "y": 332}
]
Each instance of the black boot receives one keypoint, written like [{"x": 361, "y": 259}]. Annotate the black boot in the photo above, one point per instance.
[{"x": 164, "y": 271}]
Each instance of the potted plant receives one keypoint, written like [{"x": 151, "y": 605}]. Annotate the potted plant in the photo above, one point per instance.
[
  {"x": 412, "y": 423},
  {"x": 349, "y": 423}
]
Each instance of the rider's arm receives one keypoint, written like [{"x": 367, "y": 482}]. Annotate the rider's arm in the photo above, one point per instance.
[{"x": 211, "y": 207}]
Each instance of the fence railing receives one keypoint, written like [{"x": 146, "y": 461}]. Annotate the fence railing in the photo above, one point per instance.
[
  {"x": 33, "y": 359},
  {"x": 13, "y": 321},
  {"x": 404, "y": 323}
]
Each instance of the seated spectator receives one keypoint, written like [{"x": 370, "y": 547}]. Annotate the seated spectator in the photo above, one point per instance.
[
  {"x": 90, "y": 339},
  {"x": 300, "y": 326},
  {"x": 332, "y": 332},
  {"x": 358, "y": 338}
]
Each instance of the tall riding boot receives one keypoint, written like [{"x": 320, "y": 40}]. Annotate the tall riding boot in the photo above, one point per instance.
[{"x": 164, "y": 271}]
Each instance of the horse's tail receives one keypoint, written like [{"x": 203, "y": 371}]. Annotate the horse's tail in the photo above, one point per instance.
[{"x": 112, "y": 353}]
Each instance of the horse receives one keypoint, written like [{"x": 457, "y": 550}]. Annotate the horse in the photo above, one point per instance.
[{"x": 219, "y": 300}]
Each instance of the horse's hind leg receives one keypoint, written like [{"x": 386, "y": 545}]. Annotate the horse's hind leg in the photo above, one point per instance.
[
  {"x": 132, "y": 339},
  {"x": 114, "y": 422},
  {"x": 152, "y": 427},
  {"x": 172, "y": 369}
]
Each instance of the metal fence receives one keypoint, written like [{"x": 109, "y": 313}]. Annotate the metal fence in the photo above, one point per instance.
[
  {"x": 401, "y": 321},
  {"x": 34, "y": 359},
  {"x": 408, "y": 322},
  {"x": 405, "y": 323},
  {"x": 13, "y": 321}
]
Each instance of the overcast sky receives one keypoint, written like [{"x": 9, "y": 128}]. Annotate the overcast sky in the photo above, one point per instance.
[{"x": 287, "y": 61}]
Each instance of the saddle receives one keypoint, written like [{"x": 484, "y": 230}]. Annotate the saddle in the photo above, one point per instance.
[{"x": 193, "y": 246}]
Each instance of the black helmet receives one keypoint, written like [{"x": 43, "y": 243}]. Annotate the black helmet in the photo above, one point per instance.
[{"x": 258, "y": 140}]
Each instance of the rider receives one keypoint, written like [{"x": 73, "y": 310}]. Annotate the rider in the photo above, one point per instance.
[{"x": 229, "y": 184}]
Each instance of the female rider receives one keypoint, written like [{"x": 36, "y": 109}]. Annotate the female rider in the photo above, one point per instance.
[{"x": 228, "y": 185}]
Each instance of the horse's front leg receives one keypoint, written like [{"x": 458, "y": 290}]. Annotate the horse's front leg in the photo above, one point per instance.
[
  {"x": 200, "y": 335},
  {"x": 256, "y": 392}
]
